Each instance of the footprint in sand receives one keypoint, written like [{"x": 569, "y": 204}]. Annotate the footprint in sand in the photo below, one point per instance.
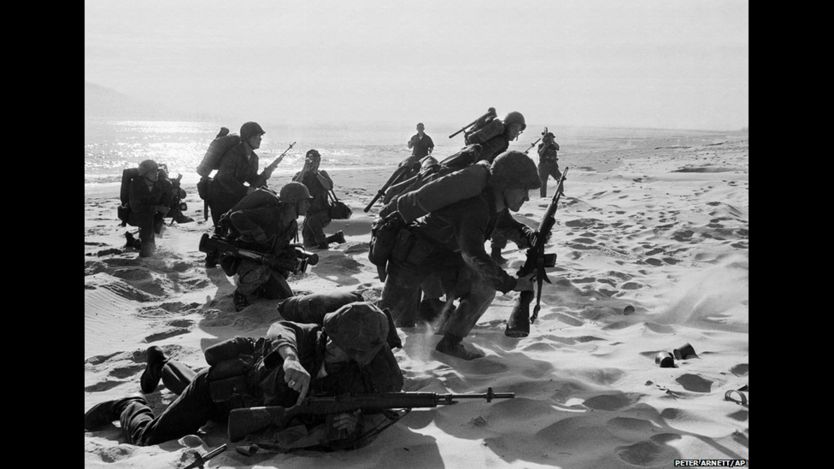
[
  {"x": 126, "y": 371},
  {"x": 611, "y": 401},
  {"x": 129, "y": 292},
  {"x": 115, "y": 453},
  {"x": 651, "y": 452},
  {"x": 696, "y": 383},
  {"x": 103, "y": 386},
  {"x": 740, "y": 415},
  {"x": 740, "y": 370},
  {"x": 98, "y": 359},
  {"x": 166, "y": 334}
]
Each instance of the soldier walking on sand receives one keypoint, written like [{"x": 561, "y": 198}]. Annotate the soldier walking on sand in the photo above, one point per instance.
[
  {"x": 548, "y": 161},
  {"x": 449, "y": 243}
]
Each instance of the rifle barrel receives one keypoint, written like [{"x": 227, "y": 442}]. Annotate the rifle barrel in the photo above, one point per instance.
[
  {"x": 489, "y": 113},
  {"x": 391, "y": 180}
]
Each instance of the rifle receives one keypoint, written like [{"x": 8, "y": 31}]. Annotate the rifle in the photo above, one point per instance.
[
  {"x": 395, "y": 178},
  {"x": 279, "y": 157},
  {"x": 296, "y": 264},
  {"x": 532, "y": 145},
  {"x": 544, "y": 132},
  {"x": 177, "y": 205},
  {"x": 489, "y": 113},
  {"x": 518, "y": 325},
  {"x": 201, "y": 460},
  {"x": 244, "y": 421}
]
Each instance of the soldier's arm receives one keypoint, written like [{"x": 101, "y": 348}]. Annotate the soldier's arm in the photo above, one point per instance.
[
  {"x": 325, "y": 180},
  {"x": 514, "y": 230},
  {"x": 470, "y": 237},
  {"x": 244, "y": 222}
]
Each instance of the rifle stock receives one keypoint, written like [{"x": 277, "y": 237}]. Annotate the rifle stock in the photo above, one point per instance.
[
  {"x": 391, "y": 180},
  {"x": 244, "y": 421},
  {"x": 518, "y": 324}
]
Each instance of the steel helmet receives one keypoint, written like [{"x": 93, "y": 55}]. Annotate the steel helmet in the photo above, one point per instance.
[
  {"x": 515, "y": 117},
  {"x": 514, "y": 169},
  {"x": 250, "y": 129},
  {"x": 294, "y": 192},
  {"x": 147, "y": 166},
  {"x": 360, "y": 329}
]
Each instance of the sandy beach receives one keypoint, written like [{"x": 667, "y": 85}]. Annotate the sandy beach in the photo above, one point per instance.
[{"x": 652, "y": 245}]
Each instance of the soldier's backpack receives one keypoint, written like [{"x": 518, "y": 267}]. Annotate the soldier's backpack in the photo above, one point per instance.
[
  {"x": 489, "y": 130},
  {"x": 123, "y": 211},
  {"x": 434, "y": 195},
  {"x": 223, "y": 142},
  {"x": 260, "y": 197},
  {"x": 218, "y": 147}
]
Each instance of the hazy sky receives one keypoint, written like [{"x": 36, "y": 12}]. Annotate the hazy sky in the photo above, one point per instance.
[{"x": 636, "y": 63}]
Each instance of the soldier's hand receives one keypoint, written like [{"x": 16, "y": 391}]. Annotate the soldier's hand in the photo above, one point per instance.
[
  {"x": 534, "y": 236},
  {"x": 347, "y": 422},
  {"x": 296, "y": 377},
  {"x": 524, "y": 284}
]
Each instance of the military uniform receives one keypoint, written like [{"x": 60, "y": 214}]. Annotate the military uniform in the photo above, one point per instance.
[
  {"x": 548, "y": 164},
  {"x": 449, "y": 244},
  {"x": 143, "y": 202},
  {"x": 269, "y": 228},
  {"x": 318, "y": 215},
  {"x": 238, "y": 165},
  {"x": 257, "y": 368}
]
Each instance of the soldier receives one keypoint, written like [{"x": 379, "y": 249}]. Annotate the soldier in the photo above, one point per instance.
[
  {"x": 449, "y": 243},
  {"x": 421, "y": 146},
  {"x": 149, "y": 199},
  {"x": 238, "y": 165},
  {"x": 318, "y": 183},
  {"x": 265, "y": 223},
  {"x": 347, "y": 354},
  {"x": 548, "y": 161}
]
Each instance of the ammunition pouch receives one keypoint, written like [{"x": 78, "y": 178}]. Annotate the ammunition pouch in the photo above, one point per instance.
[
  {"x": 203, "y": 187},
  {"x": 384, "y": 234},
  {"x": 228, "y": 382},
  {"x": 123, "y": 212}
]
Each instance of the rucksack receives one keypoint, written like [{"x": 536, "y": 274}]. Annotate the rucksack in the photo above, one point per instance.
[
  {"x": 489, "y": 130},
  {"x": 223, "y": 142},
  {"x": 445, "y": 190}
]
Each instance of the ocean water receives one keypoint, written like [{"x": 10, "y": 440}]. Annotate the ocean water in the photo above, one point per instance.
[{"x": 114, "y": 145}]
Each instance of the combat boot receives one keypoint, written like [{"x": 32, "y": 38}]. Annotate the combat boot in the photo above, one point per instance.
[
  {"x": 106, "y": 412},
  {"x": 180, "y": 218},
  {"x": 452, "y": 345},
  {"x": 337, "y": 237},
  {"x": 131, "y": 241},
  {"x": 496, "y": 256},
  {"x": 153, "y": 370}
]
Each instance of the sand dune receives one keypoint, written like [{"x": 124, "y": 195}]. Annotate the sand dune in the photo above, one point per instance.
[{"x": 652, "y": 240}]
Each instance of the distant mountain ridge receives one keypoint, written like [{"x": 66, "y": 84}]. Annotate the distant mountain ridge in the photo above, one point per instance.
[{"x": 107, "y": 103}]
